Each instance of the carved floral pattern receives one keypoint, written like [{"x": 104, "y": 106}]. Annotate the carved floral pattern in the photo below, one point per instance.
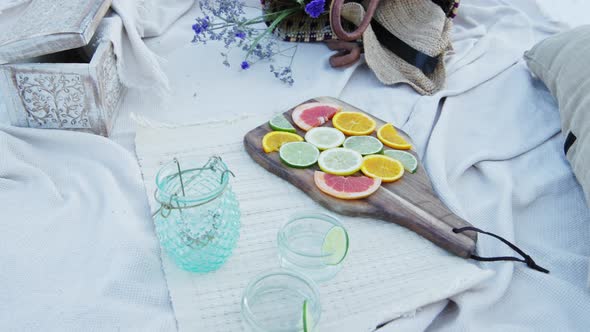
[
  {"x": 110, "y": 84},
  {"x": 53, "y": 100}
]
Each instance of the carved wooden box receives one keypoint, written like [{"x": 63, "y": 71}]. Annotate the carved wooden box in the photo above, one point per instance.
[{"x": 51, "y": 84}]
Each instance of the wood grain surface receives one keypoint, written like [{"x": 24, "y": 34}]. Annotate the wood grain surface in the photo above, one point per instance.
[{"x": 409, "y": 202}]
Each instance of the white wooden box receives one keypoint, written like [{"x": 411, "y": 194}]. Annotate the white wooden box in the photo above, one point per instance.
[{"x": 56, "y": 90}]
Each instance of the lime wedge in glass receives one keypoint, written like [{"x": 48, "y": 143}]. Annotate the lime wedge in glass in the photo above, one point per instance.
[
  {"x": 307, "y": 317},
  {"x": 299, "y": 154},
  {"x": 364, "y": 145},
  {"x": 340, "y": 161},
  {"x": 335, "y": 245},
  {"x": 280, "y": 123},
  {"x": 407, "y": 159},
  {"x": 325, "y": 137}
]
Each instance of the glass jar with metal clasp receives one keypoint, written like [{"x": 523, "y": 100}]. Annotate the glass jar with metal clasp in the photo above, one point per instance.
[{"x": 198, "y": 222}]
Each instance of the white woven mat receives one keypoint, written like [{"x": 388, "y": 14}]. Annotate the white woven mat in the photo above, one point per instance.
[{"x": 389, "y": 271}]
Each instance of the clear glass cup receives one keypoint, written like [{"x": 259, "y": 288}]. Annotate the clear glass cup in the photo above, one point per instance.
[
  {"x": 198, "y": 222},
  {"x": 301, "y": 245},
  {"x": 274, "y": 302}
]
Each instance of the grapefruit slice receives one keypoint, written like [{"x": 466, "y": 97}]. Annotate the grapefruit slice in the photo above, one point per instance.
[
  {"x": 313, "y": 115},
  {"x": 346, "y": 187}
]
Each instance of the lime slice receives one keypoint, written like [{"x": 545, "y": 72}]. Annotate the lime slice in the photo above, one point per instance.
[
  {"x": 307, "y": 317},
  {"x": 364, "y": 144},
  {"x": 340, "y": 161},
  {"x": 407, "y": 159},
  {"x": 299, "y": 154},
  {"x": 325, "y": 137},
  {"x": 280, "y": 123},
  {"x": 335, "y": 245}
]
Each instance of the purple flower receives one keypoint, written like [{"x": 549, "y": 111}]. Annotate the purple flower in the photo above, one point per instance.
[
  {"x": 241, "y": 34},
  {"x": 245, "y": 65},
  {"x": 202, "y": 25},
  {"x": 315, "y": 8}
]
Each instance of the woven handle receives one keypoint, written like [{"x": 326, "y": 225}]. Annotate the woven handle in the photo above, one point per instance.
[{"x": 336, "y": 21}]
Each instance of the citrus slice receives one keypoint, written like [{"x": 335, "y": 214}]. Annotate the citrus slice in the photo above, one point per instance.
[
  {"x": 346, "y": 187},
  {"x": 299, "y": 154},
  {"x": 390, "y": 137},
  {"x": 275, "y": 139},
  {"x": 364, "y": 144},
  {"x": 310, "y": 115},
  {"x": 354, "y": 123},
  {"x": 407, "y": 159},
  {"x": 307, "y": 317},
  {"x": 335, "y": 245},
  {"x": 385, "y": 168},
  {"x": 340, "y": 161},
  {"x": 280, "y": 123},
  {"x": 325, "y": 137}
]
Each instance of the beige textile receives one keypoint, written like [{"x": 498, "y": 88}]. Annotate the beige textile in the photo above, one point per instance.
[
  {"x": 419, "y": 23},
  {"x": 561, "y": 62}
]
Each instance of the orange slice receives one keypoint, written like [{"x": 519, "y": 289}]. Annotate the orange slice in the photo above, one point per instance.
[
  {"x": 354, "y": 123},
  {"x": 382, "y": 167},
  {"x": 275, "y": 139},
  {"x": 389, "y": 136}
]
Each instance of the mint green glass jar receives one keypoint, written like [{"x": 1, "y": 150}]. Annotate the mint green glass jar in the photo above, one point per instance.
[{"x": 198, "y": 222}]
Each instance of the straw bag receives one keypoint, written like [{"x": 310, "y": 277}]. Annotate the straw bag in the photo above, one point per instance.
[{"x": 404, "y": 41}]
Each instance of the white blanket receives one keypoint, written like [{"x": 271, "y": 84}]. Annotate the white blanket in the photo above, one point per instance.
[
  {"x": 77, "y": 251},
  {"x": 493, "y": 149},
  {"x": 388, "y": 273}
]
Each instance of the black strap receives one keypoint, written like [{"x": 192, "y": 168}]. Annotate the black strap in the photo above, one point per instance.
[
  {"x": 447, "y": 6},
  {"x": 569, "y": 141},
  {"x": 526, "y": 258},
  {"x": 422, "y": 61}
]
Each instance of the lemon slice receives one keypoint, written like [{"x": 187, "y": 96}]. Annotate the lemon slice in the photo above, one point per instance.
[
  {"x": 390, "y": 137},
  {"x": 340, "y": 161},
  {"x": 354, "y": 123},
  {"x": 325, "y": 137},
  {"x": 335, "y": 245},
  {"x": 364, "y": 145},
  {"x": 385, "y": 168},
  {"x": 407, "y": 159},
  {"x": 299, "y": 154}
]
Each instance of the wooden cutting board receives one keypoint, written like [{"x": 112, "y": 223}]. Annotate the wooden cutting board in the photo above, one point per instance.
[{"x": 409, "y": 202}]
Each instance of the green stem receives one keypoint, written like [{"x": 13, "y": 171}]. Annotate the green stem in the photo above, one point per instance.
[
  {"x": 294, "y": 53},
  {"x": 274, "y": 24},
  {"x": 255, "y": 20},
  {"x": 265, "y": 15},
  {"x": 222, "y": 26}
]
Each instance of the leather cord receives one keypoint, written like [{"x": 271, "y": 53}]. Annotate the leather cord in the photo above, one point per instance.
[
  {"x": 348, "y": 53},
  {"x": 336, "y": 20},
  {"x": 525, "y": 258}
]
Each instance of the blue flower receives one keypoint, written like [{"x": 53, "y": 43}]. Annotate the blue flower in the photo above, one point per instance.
[
  {"x": 201, "y": 26},
  {"x": 315, "y": 8},
  {"x": 241, "y": 34},
  {"x": 245, "y": 65}
]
